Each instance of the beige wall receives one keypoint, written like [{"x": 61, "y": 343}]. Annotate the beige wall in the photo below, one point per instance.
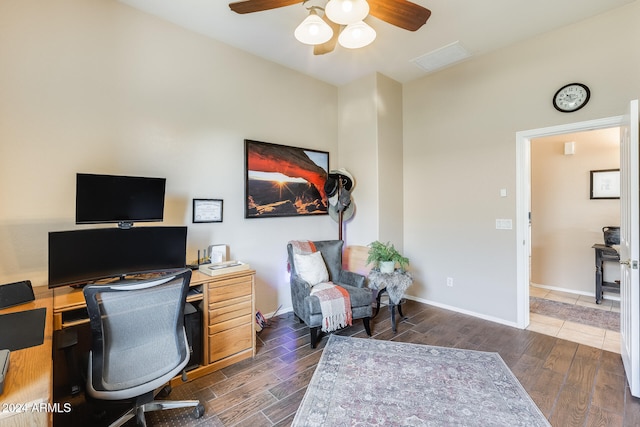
[
  {"x": 97, "y": 86},
  {"x": 460, "y": 150},
  {"x": 565, "y": 221},
  {"x": 358, "y": 154},
  {"x": 370, "y": 111},
  {"x": 390, "y": 173}
]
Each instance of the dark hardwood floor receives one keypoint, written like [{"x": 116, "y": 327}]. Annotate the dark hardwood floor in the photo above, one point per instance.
[{"x": 572, "y": 384}]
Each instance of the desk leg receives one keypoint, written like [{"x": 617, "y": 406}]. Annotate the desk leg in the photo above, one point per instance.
[{"x": 598, "y": 276}]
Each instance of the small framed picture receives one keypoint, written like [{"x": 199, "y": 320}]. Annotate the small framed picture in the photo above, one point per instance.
[
  {"x": 605, "y": 184},
  {"x": 207, "y": 210}
]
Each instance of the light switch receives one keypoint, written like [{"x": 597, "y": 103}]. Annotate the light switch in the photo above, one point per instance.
[
  {"x": 503, "y": 192},
  {"x": 504, "y": 224}
]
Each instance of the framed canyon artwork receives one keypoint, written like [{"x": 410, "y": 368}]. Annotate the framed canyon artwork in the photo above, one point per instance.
[{"x": 283, "y": 181}]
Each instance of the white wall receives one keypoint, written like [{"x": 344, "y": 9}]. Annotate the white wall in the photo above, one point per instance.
[
  {"x": 460, "y": 150},
  {"x": 97, "y": 86},
  {"x": 565, "y": 221}
]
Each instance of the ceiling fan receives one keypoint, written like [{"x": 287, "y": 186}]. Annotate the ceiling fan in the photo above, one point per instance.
[{"x": 334, "y": 25}]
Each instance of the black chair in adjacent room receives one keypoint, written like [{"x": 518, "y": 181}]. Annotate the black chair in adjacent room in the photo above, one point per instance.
[{"x": 138, "y": 342}]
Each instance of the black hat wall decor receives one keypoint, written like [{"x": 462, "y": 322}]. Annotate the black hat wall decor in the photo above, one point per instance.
[{"x": 339, "y": 185}]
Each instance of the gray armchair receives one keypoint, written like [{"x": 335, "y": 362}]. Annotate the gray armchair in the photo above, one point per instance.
[{"x": 307, "y": 307}]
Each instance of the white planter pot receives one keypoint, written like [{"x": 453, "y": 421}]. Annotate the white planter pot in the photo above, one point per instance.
[{"x": 387, "y": 266}]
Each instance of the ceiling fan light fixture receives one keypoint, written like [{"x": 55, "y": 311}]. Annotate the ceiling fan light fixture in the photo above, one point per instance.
[
  {"x": 313, "y": 30},
  {"x": 345, "y": 12},
  {"x": 357, "y": 35}
]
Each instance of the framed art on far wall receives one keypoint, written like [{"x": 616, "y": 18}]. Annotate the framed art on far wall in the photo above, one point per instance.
[
  {"x": 605, "y": 184},
  {"x": 284, "y": 181},
  {"x": 207, "y": 210}
]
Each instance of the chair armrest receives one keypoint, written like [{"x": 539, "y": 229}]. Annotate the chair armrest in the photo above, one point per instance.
[
  {"x": 299, "y": 283},
  {"x": 351, "y": 278},
  {"x": 300, "y": 290}
]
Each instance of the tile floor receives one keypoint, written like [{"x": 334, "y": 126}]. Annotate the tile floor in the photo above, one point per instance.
[{"x": 570, "y": 331}]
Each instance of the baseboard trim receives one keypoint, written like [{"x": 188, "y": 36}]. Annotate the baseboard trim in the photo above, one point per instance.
[
  {"x": 463, "y": 311},
  {"x": 282, "y": 310},
  {"x": 608, "y": 295},
  {"x": 428, "y": 302}
]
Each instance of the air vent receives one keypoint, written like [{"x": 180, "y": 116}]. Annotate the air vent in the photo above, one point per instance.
[{"x": 442, "y": 57}]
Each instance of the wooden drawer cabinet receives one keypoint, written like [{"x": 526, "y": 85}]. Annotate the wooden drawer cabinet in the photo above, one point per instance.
[
  {"x": 228, "y": 342},
  {"x": 227, "y": 290},
  {"x": 228, "y": 319},
  {"x": 219, "y": 312},
  {"x": 234, "y": 323}
]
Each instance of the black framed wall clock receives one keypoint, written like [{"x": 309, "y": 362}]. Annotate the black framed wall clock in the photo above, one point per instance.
[{"x": 571, "y": 97}]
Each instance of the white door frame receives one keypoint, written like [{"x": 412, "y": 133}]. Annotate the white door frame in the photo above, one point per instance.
[{"x": 523, "y": 200}]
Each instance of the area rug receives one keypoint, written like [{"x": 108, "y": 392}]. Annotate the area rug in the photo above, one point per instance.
[
  {"x": 368, "y": 382},
  {"x": 584, "y": 315}
]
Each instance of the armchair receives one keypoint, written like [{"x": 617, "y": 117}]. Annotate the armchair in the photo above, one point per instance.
[
  {"x": 307, "y": 306},
  {"x": 138, "y": 342}
]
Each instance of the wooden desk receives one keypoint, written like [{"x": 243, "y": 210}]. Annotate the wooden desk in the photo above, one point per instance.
[
  {"x": 70, "y": 308},
  {"x": 28, "y": 389},
  {"x": 228, "y": 322}
]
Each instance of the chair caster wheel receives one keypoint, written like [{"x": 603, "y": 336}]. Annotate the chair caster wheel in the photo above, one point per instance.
[
  {"x": 166, "y": 391},
  {"x": 198, "y": 411}
]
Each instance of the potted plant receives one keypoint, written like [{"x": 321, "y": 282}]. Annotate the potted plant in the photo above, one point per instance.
[{"x": 384, "y": 256}]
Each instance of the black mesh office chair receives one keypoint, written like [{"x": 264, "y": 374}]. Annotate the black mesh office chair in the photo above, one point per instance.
[{"x": 138, "y": 342}]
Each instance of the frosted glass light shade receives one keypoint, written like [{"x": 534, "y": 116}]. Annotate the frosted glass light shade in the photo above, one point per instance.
[
  {"x": 313, "y": 30},
  {"x": 357, "y": 35},
  {"x": 345, "y": 12}
]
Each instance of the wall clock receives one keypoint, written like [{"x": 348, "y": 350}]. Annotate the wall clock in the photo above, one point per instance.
[{"x": 571, "y": 97}]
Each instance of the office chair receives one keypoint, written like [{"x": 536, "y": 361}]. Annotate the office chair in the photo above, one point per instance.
[
  {"x": 138, "y": 342},
  {"x": 306, "y": 306}
]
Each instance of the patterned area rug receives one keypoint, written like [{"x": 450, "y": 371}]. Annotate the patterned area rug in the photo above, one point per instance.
[
  {"x": 368, "y": 382},
  {"x": 585, "y": 315}
]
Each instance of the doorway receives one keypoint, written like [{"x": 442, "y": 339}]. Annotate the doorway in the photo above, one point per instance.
[
  {"x": 565, "y": 224},
  {"x": 523, "y": 203}
]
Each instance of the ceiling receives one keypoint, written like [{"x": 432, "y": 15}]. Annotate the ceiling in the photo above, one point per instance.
[{"x": 479, "y": 27}]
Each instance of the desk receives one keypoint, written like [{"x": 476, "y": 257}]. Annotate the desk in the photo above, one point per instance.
[
  {"x": 30, "y": 377},
  {"x": 228, "y": 317},
  {"x": 604, "y": 253}
]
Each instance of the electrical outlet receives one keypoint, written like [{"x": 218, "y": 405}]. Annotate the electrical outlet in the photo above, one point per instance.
[{"x": 450, "y": 282}]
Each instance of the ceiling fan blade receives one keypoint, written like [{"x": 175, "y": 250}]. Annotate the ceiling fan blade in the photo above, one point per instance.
[
  {"x": 400, "y": 13},
  {"x": 326, "y": 47},
  {"x": 249, "y": 6}
]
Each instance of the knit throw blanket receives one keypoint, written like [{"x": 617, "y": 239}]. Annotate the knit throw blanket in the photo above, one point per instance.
[
  {"x": 335, "y": 303},
  {"x": 304, "y": 247}
]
